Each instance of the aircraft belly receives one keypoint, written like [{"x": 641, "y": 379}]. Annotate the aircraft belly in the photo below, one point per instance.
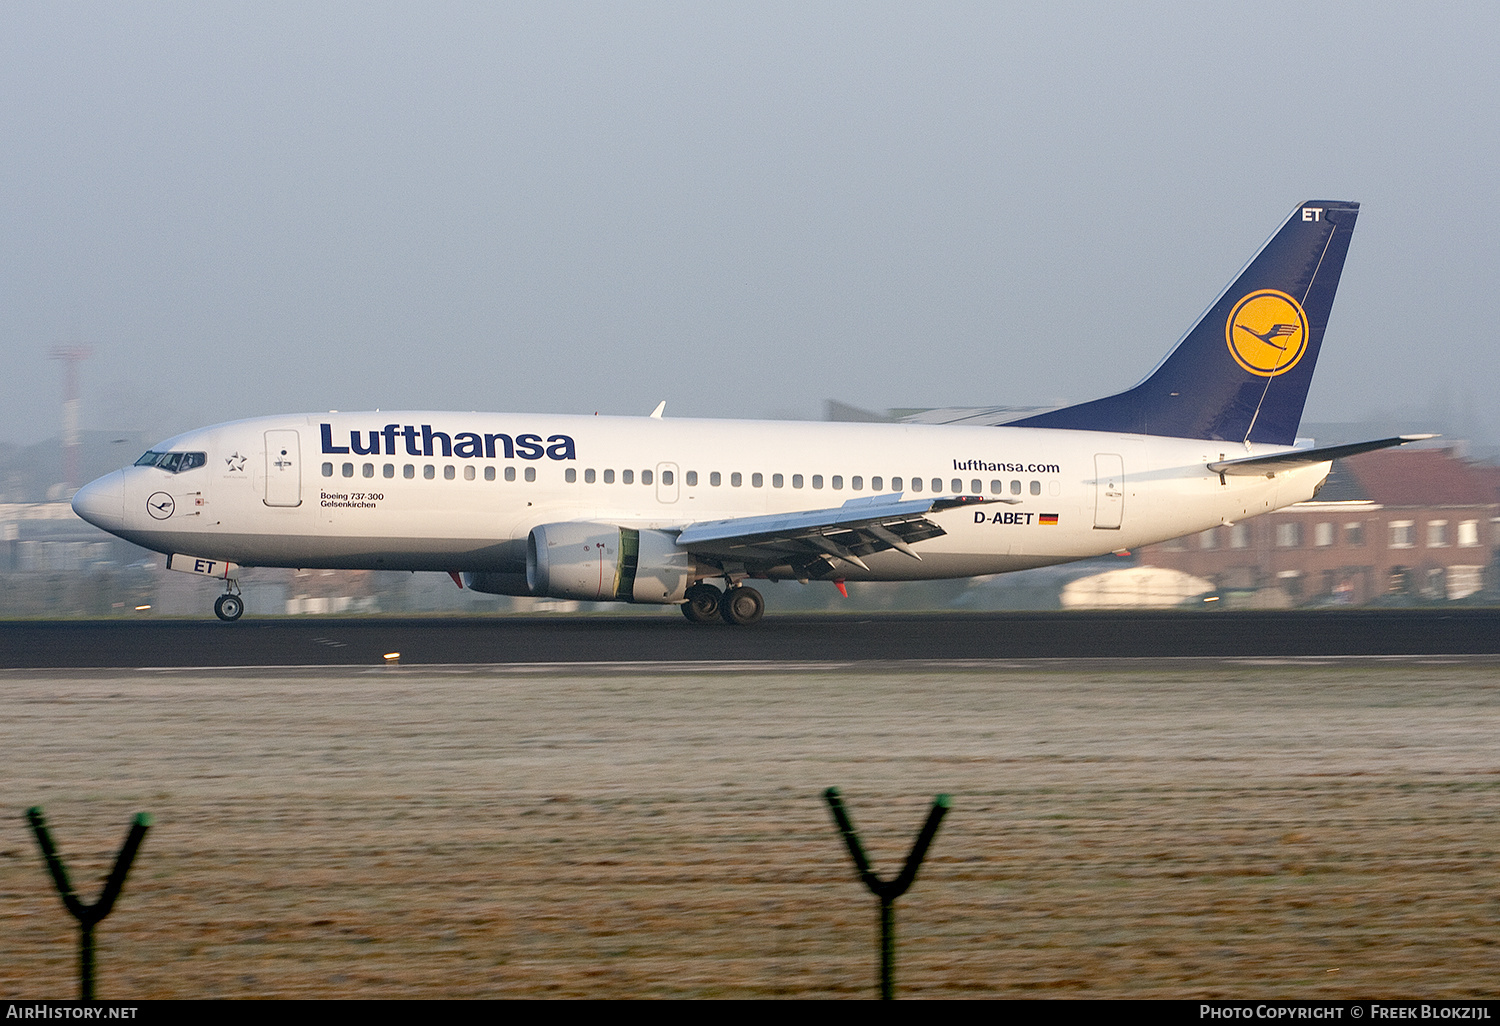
[{"x": 341, "y": 552}]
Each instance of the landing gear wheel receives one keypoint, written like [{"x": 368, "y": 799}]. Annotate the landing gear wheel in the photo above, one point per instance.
[
  {"x": 742, "y": 606},
  {"x": 702, "y": 605},
  {"x": 229, "y": 607}
]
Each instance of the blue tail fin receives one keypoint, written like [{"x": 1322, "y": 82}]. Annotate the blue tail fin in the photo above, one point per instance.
[{"x": 1242, "y": 372}]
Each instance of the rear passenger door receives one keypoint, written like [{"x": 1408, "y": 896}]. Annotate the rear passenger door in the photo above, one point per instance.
[{"x": 1109, "y": 491}]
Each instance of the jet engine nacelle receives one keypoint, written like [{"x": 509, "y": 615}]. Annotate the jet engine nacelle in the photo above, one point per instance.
[{"x": 602, "y": 563}]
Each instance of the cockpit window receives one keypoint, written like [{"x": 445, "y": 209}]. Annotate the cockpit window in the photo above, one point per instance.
[{"x": 173, "y": 462}]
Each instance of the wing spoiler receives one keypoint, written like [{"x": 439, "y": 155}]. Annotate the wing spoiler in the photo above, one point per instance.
[{"x": 1253, "y": 466}]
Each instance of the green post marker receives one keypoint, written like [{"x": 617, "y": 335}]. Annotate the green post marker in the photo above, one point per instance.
[
  {"x": 88, "y": 916},
  {"x": 887, "y": 891}
]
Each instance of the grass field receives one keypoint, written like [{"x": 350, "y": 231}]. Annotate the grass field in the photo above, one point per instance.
[{"x": 1246, "y": 828}]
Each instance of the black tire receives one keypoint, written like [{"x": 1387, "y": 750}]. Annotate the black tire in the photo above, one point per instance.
[
  {"x": 742, "y": 606},
  {"x": 229, "y": 607},
  {"x": 702, "y": 605}
]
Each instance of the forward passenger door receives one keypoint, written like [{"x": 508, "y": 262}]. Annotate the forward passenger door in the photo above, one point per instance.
[{"x": 283, "y": 469}]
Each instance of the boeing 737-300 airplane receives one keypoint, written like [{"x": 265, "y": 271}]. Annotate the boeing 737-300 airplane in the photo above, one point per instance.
[{"x": 650, "y": 509}]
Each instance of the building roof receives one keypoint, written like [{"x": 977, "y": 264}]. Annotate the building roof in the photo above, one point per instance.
[
  {"x": 1342, "y": 486},
  {"x": 1418, "y": 477},
  {"x": 1489, "y": 478}
]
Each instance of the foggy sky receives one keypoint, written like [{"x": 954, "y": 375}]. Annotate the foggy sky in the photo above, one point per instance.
[{"x": 741, "y": 209}]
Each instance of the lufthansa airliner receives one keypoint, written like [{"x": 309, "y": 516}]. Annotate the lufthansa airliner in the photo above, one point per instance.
[{"x": 688, "y": 512}]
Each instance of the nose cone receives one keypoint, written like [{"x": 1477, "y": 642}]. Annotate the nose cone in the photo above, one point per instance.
[{"x": 102, "y": 502}]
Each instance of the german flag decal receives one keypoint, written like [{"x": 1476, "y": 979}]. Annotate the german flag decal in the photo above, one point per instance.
[{"x": 1047, "y": 518}]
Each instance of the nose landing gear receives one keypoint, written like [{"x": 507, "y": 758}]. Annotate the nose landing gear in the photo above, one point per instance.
[{"x": 229, "y": 606}]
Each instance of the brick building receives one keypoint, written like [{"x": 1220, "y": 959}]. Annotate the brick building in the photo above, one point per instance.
[{"x": 1394, "y": 525}]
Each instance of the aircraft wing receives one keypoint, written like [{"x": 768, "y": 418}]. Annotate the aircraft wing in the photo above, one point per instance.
[
  {"x": 1254, "y": 466},
  {"x": 810, "y": 540}
]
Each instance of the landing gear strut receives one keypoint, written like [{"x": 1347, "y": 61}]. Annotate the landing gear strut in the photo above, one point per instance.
[
  {"x": 702, "y": 605},
  {"x": 742, "y": 606}
]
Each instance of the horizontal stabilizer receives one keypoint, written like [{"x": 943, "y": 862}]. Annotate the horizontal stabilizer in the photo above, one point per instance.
[{"x": 1254, "y": 466}]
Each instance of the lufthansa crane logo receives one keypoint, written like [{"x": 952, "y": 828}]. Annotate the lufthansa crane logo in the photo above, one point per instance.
[
  {"x": 160, "y": 505},
  {"x": 1267, "y": 332}
]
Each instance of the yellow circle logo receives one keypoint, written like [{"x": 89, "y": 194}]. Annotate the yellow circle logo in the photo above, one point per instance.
[{"x": 1267, "y": 332}]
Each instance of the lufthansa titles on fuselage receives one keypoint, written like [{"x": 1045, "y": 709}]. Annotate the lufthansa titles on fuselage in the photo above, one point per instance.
[
  {"x": 421, "y": 440},
  {"x": 1007, "y": 468}
]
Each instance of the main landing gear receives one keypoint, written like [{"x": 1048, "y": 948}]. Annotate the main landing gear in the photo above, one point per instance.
[
  {"x": 229, "y": 606},
  {"x": 702, "y": 605},
  {"x": 739, "y": 605}
]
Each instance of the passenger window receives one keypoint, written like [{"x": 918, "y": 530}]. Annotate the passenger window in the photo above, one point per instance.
[
  {"x": 714, "y": 479},
  {"x": 796, "y": 480},
  {"x": 489, "y": 473},
  {"x": 1036, "y": 488},
  {"x": 916, "y": 484},
  {"x": 609, "y": 477},
  {"x": 896, "y": 484},
  {"x": 389, "y": 470},
  {"x": 570, "y": 475},
  {"x": 368, "y": 470},
  {"x": 531, "y": 473},
  {"x": 348, "y": 469},
  {"x": 588, "y": 476},
  {"x": 1015, "y": 488},
  {"x": 448, "y": 472},
  {"x": 666, "y": 477},
  {"x": 777, "y": 480},
  {"x": 838, "y": 482},
  {"x": 469, "y": 473},
  {"x": 958, "y": 486},
  {"x": 627, "y": 477},
  {"x": 996, "y": 487},
  {"x": 428, "y": 472},
  {"x": 510, "y": 473},
  {"x": 647, "y": 477},
  {"x": 817, "y": 480},
  {"x": 876, "y": 484},
  {"x": 735, "y": 479},
  {"x": 937, "y": 484},
  {"x": 978, "y": 488},
  {"x": 327, "y": 469},
  {"x": 757, "y": 480},
  {"x": 408, "y": 471},
  {"x": 692, "y": 479}
]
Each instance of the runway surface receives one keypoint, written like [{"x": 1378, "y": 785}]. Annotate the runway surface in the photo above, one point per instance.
[
  {"x": 335, "y": 641},
  {"x": 1196, "y": 828}
]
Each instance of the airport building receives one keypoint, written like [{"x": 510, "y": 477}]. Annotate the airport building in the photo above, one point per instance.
[{"x": 1389, "y": 527}]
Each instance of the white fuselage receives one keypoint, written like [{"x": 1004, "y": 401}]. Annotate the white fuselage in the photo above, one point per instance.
[{"x": 272, "y": 494}]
